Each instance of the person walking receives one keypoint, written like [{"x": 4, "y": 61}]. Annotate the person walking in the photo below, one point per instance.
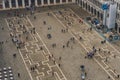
[{"x": 19, "y": 75}]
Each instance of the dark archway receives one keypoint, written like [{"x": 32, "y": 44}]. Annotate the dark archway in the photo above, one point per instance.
[
  {"x": 33, "y": 2},
  {"x": 7, "y": 4},
  {"x": 13, "y": 3},
  {"x": 19, "y": 2},
  {"x": 92, "y": 10},
  {"x": 86, "y": 6},
  {"x": 81, "y": 3},
  {"x": 95, "y": 12},
  {"x": 89, "y": 8},
  {"x": 77, "y": 1},
  {"x": 45, "y": 1},
  {"x": 26, "y": 3},
  {"x": 98, "y": 14},
  {"x": 39, "y": 2},
  {"x": 57, "y": 1},
  {"x": 51, "y": 1},
  {"x": 101, "y": 16},
  {"x": 69, "y": 0},
  {"x": 116, "y": 26},
  {"x": 117, "y": 16},
  {"x": 63, "y": 1}
]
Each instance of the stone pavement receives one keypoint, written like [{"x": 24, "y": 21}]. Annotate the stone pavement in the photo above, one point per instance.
[
  {"x": 6, "y": 55},
  {"x": 41, "y": 58},
  {"x": 90, "y": 39},
  {"x": 39, "y": 62},
  {"x": 73, "y": 54}
]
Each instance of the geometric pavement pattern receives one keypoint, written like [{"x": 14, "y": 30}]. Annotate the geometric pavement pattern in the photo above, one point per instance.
[
  {"x": 89, "y": 39},
  {"x": 39, "y": 62}
]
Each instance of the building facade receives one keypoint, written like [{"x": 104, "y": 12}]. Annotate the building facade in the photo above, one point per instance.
[
  {"x": 15, "y": 4},
  {"x": 94, "y": 8}
]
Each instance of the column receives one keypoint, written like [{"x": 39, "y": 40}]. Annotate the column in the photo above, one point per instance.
[
  {"x": 23, "y": 3},
  {"x": 10, "y": 4},
  {"x": 86, "y": 6},
  {"x": 73, "y": 1},
  {"x": 89, "y": 9},
  {"x": 54, "y": 1},
  {"x": 93, "y": 11},
  {"x": 3, "y": 4},
  {"x": 82, "y": 4},
  {"x": 48, "y": 2},
  {"x": 16, "y": 3},
  {"x": 36, "y": 3},
  {"x": 60, "y": 1},
  {"x": 42, "y": 2},
  {"x": 104, "y": 17},
  {"x": 66, "y": 1},
  {"x": 29, "y": 2}
]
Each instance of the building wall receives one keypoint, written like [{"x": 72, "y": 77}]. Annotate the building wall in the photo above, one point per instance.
[
  {"x": 94, "y": 7},
  {"x": 99, "y": 3},
  {"x": 15, "y": 4}
]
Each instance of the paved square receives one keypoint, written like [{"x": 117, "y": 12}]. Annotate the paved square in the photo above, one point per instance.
[{"x": 60, "y": 57}]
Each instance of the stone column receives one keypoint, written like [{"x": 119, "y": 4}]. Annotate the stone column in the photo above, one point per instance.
[
  {"x": 73, "y": 1},
  {"x": 60, "y": 1},
  {"x": 16, "y": 3},
  {"x": 10, "y": 4},
  {"x": 3, "y": 4},
  {"x": 48, "y": 2},
  {"x": 23, "y": 3},
  {"x": 66, "y": 1},
  {"x": 54, "y": 1},
  {"x": 29, "y": 2},
  {"x": 90, "y": 9},
  {"x": 42, "y": 2},
  {"x": 36, "y": 3}
]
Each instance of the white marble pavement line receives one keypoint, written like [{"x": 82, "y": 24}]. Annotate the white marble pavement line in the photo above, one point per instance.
[
  {"x": 30, "y": 60},
  {"x": 32, "y": 52},
  {"x": 21, "y": 55},
  {"x": 99, "y": 36},
  {"x": 46, "y": 48},
  {"x": 84, "y": 46},
  {"x": 107, "y": 43}
]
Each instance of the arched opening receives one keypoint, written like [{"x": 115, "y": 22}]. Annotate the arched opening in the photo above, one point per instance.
[
  {"x": 26, "y": 3},
  {"x": 13, "y": 3},
  {"x": 32, "y": 2},
  {"x": 45, "y": 1},
  {"x": 86, "y": 6},
  {"x": 77, "y": 1},
  {"x": 57, "y": 1},
  {"x": 39, "y": 2},
  {"x": 116, "y": 26},
  {"x": 98, "y": 14},
  {"x": 89, "y": 8},
  {"x": 63, "y": 1},
  {"x": 69, "y": 0},
  {"x": 92, "y": 10},
  {"x": 51, "y": 1},
  {"x": 20, "y": 3},
  {"x": 7, "y": 4},
  {"x": 101, "y": 16},
  {"x": 117, "y": 16},
  {"x": 81, "y": 3}
]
